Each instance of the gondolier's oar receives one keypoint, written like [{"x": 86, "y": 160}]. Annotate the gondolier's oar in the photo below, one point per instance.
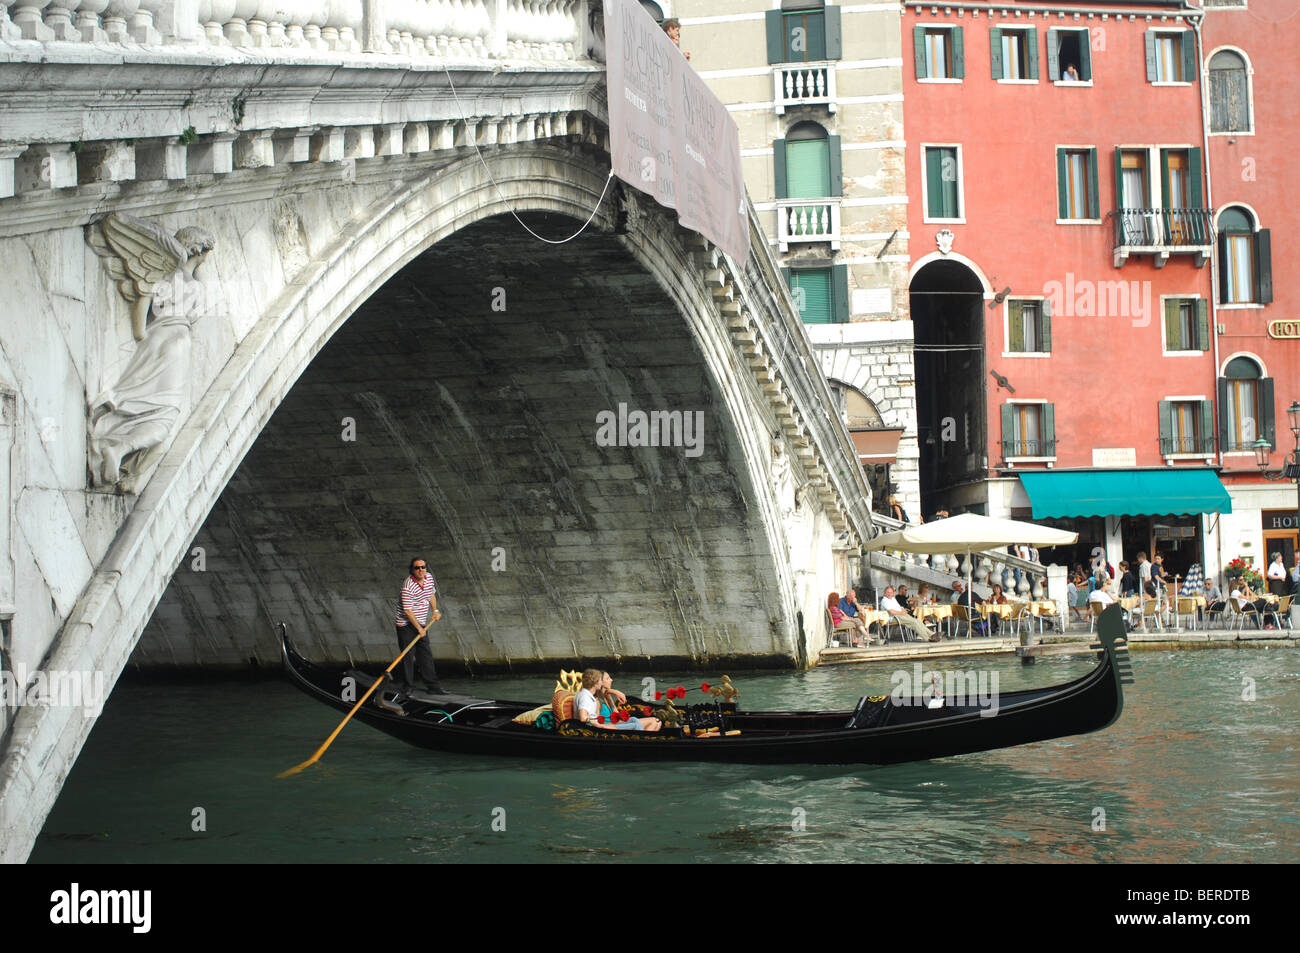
[{"x": 330, "y": 740}]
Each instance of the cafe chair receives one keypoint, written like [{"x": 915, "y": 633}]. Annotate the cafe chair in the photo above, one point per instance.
[
  {"x": 1186, "y": 607},
  {"x": 1151, "y": 610}
]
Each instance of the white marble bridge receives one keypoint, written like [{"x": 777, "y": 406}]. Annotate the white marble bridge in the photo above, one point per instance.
[{"x": 270, "y": 326}]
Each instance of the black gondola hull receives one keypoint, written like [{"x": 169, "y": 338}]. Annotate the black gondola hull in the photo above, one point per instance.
[{"x": 916, "y": 733}]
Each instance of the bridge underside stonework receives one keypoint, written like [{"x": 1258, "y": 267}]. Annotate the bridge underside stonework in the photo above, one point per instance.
[{"x": 454, "y": 416}]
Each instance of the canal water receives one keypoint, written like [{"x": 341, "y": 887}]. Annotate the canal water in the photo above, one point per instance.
[{"x": 1192, "y": 773}]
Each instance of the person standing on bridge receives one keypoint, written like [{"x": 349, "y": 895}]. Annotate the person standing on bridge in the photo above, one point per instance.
[{"x": 417, "y": 609}]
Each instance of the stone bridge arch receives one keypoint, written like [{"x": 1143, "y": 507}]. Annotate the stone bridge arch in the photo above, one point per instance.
[
  {"x": 323, "y": 239},
  {"x": 690, "y": 577}
]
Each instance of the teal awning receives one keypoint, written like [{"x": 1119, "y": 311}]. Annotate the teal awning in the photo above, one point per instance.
[{"x": 1126, "y": 492}]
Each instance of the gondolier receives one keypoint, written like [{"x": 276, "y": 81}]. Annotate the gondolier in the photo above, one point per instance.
[{"x": 417, "y": 609}]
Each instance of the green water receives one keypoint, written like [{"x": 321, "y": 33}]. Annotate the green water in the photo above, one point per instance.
[{"x": 1191, "y": 773}]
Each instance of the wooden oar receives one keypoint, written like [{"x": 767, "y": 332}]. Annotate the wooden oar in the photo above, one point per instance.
[{"x": 330, "y": 740}]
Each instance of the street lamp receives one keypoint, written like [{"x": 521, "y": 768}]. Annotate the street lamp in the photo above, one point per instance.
[{"x": 1291, "y": 466}]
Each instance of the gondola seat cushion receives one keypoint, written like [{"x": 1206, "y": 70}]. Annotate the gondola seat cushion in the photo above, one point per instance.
[
  {"x": 528, "y": 717},
  {"x": 562, "y": 704}
]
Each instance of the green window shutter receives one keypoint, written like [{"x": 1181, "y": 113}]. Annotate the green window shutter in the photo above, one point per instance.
[
  {"x": 1167, "y": 430},
  {"x": 834, "y": 39},
  {"x": 1094, "y": 199},
  {"x": 995, "y": 51},
  {"x": 1149, "y": 39},
  {"x": 779, "y": 186},
  {"x": 807, "y": 168},
  {"x": 1048, "y": 448},
  {"x": 814, "y": 27},
  {"x": 1206, "y": 410},
  {"x": 1223, "y": 414},
  {"x": 835, "y": 166},
  {"x": 1195, "y": 197},
  {"x": 776, "y": 37},
  {"x": 1202, "y": 325},
  {"x": 1119, "y": 177},
  {"x": 815, "y": 285},
  {"x": 918, "y": 51},
  {"x": 785, "y": 273},
  {"x": 840, "y": 294},
  {"x": 1045, "y": 326},
  {"x": 1015, "y": 326},
  {"x": 934, "y": 182},
  {"x": 1053, "y": 56},
  {"x": 1223, "y": 268},
  {"x": 1085, "y": 57},
  {"x": 1173, "y": 339},
  {"x": 958, "y": 54},
  {"x": 1009, "y": 434},
  {"x": 1188, "y": 44},
  {"x": 1263, "y": 267},
  {"x": 1164, "y": 178},
  {"x": 1062, "y": 184},
  {"x": 1266, "y": 412},
  {"x": 1031, "y": 52}
]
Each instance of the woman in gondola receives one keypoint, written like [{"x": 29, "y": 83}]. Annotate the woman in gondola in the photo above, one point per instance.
[{"x": 611, "y": 700}]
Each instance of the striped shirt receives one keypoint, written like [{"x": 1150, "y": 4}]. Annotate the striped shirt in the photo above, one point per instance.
[{"x": 415, "y": 597}]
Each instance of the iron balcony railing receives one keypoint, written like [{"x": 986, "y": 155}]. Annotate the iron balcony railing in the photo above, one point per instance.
[
  {"x": 1029, "y": 448},
  {"x": 1200, "y": 445},
  {"x": 1171, "y": 228},
  {"x": 803, "y": 84}
]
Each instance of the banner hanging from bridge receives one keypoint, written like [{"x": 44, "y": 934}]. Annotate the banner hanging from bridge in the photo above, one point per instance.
[{"x": 669, "y": 136}]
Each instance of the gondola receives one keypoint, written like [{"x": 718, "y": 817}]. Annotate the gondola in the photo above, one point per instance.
[{"x": 878, "y": 731}]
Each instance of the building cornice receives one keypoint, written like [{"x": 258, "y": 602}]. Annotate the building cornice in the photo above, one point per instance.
[{"x": 1049, "y": 11}]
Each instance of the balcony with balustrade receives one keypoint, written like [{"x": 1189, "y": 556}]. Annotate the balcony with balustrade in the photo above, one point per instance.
[
  {"x": 803, "y": 84},
  {"x": 1161, "y": 232},
  {"x": 808, "y": 220}
]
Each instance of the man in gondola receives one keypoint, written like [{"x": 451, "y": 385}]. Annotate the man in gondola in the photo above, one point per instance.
[{"x": 416, "y": 611}]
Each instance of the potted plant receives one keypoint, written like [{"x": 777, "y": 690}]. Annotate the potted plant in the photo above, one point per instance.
[{"x": 1240, "y": 568}]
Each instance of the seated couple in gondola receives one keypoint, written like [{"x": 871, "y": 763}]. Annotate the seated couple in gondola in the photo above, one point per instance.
[{"x": 597, "y": 701}]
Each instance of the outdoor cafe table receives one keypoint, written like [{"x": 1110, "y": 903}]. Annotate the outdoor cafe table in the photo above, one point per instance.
[{"x": 936, "y": 611}]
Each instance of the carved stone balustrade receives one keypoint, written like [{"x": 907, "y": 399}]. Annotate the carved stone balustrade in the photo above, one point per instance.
[{"x": 462, "y": 29}]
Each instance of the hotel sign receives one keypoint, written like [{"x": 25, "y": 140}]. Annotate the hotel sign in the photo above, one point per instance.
[
  {"x": 1279, "y": 519},
  {"x": 1284, "y": 330},
  {"x": 1114, "y": 457}
]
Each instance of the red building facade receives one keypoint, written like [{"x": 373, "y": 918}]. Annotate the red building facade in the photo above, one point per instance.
[
  {"x": 1254, "y": 135},
  {"x": 1074, "y": 362}
]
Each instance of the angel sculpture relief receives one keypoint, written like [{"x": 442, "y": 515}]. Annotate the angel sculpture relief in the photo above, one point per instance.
[{"x": 131, "y": 421}]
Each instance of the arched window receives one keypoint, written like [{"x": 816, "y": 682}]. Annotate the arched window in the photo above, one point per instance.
[
  {"x": 1245, "y": 259},
  {"x": 1229, "y": 93},
  {"x": 807, "y": 162},
  {"x": 1245, "y": 405},
  {"x": 652, "y": 8}
]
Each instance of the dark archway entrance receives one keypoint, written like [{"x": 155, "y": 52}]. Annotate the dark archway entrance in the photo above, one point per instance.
[
  {"x": 948, "y": 320},
  {"x": 455, "y": 416}
]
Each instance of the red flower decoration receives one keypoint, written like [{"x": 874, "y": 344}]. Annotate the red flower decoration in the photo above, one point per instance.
[
  {"x": 645, "y": 711},
  {"x": 658, "y": 695},
  {"x": 704, "y": 687},
  {"x": 601, "y": 719}
]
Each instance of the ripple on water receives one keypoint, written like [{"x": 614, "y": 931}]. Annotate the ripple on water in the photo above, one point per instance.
[{"x": 1192, "y": 773}]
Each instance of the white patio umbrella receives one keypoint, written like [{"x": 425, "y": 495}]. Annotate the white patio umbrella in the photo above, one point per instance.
[{"x": 969, "y": 533}]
